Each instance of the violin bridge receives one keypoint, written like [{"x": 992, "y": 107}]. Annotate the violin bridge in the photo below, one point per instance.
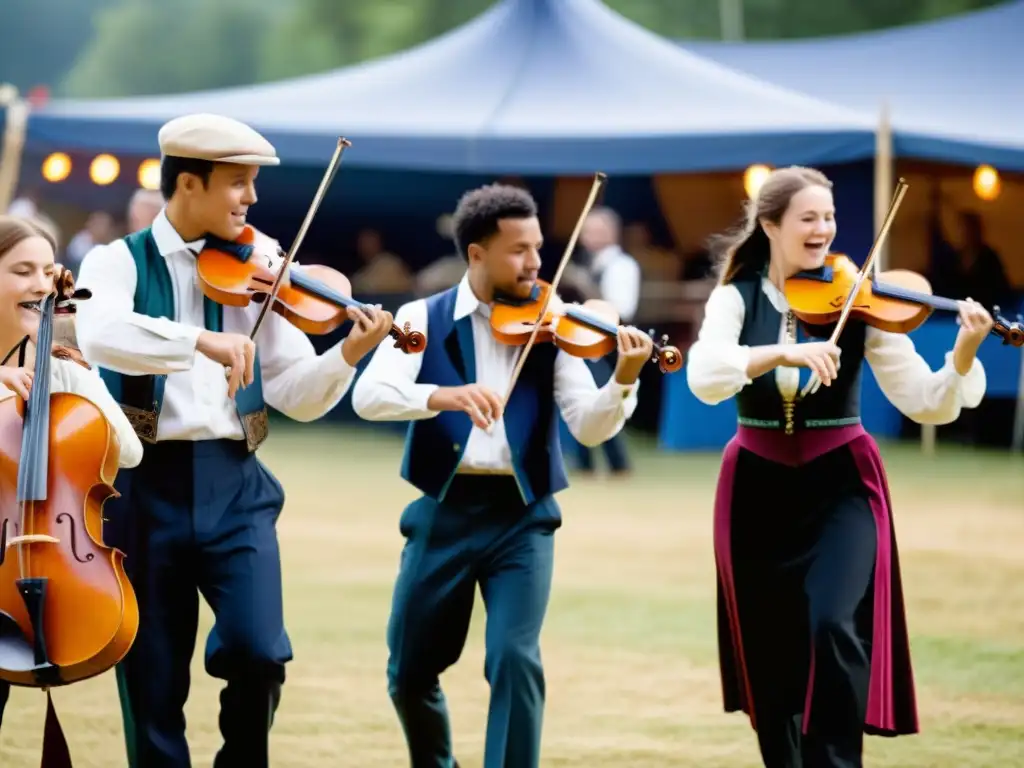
[{"x": 32, "y": 538}]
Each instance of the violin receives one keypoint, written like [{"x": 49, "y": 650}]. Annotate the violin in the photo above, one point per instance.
[
  {"x": 314, "y": 298},
  {"x": 589, "y": 330},
  {"x": 67, "y": 609},
  {"x": 896, "y": 300}
]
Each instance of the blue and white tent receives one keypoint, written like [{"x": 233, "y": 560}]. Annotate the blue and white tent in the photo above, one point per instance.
[
  {"x": 540, "y": 87},
  {"x": 953, "y": 86}
]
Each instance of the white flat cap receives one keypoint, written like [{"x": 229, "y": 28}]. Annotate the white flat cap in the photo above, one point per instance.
[{"x": 216, "y": 138}]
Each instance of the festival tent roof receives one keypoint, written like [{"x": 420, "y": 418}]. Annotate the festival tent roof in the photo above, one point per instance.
[
  {"x": 528, "y": 87},
  {"x": 953, "y": 85}
]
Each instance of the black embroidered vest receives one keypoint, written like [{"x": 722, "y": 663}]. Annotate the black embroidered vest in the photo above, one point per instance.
[{"x": 760, "y": 404}]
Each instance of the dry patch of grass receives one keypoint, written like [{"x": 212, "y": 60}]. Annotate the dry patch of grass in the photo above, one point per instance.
[{"x": 629, "y": 645}]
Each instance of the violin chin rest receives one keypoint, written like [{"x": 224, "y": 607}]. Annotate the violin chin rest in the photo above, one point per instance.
[{"x": 16, "y": 652}]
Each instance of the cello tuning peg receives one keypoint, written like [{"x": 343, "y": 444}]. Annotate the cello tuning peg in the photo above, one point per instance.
[{"x": 664, "y": 339}]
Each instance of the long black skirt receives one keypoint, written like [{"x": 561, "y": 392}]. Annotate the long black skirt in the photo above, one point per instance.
[{"x": 812, "y": 633}]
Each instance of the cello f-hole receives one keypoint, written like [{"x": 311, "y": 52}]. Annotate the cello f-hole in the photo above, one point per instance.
[{"x": 89, "y": 556}]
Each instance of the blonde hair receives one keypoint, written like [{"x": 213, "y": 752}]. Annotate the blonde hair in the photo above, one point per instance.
[{"x": 745, "y": 249}]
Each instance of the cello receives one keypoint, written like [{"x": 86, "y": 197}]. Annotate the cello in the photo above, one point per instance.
[{"x": 67, "y": 609}]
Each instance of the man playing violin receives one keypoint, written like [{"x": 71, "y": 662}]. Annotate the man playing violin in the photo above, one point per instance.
[
  {"x": 199, "y": 513},
  {"x": 488, "y": 475},
  {"x": 812, "y": 633}
]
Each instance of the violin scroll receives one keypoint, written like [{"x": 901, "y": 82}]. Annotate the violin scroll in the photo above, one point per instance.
[
  {"x": 65, "y": 341},
  {"x": 408, "y": 340},
  {"x": 67, "y": 294},
  {"x": 1010, "y": 333},
  {"x": 667, "y": 357}
]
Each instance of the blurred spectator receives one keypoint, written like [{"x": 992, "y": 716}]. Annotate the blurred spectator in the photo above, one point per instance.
[
  {"x": 98, "y": 230},
  {"x": 26, "y": 206},
  {"x": 617, "y": 276},
  {"x": 446, "y": 271},
  {"x": 970, "y": 268},
  {"x": 384, "y": 271},
  {"x": 655, "y": 262},
  {"x": 143, "y": 208}
]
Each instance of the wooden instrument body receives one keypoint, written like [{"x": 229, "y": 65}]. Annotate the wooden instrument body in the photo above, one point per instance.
[
  {"x": 90, "y": 614},
  {"x": 819, "y": 300},
  {"x": 314, "y": 298},
  {"x": 513, "y": 324},
  {"x": 229, "y": 281}
]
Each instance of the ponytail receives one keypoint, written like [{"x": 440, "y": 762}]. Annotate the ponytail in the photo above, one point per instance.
[{"x": 742, "y": 251}]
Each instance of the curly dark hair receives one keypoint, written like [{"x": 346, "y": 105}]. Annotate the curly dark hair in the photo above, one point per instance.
[{"x": 477, "y": 215}]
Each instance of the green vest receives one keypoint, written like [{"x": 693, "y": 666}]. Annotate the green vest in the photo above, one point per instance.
[{"x": 141, "y": 397}]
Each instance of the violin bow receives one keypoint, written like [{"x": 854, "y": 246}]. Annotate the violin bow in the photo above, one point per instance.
[
  {"x": 901, "y": 189},
  {"x": 595, "y": 190},
  {"x": 325, "y": 182}
]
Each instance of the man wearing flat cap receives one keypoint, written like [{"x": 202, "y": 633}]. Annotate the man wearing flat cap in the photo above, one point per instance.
[{"x": 199, "y": 513}]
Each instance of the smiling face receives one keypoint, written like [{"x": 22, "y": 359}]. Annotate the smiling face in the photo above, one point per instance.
[
  {"x": 26, "y": 277},
  {"x": 803, "y": 236},
  {"x": 221, "y": 205},
  {"x": 510, "y": 258}
]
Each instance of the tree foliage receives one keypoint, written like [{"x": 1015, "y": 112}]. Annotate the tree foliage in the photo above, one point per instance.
[{"x": 102, "y": 48}]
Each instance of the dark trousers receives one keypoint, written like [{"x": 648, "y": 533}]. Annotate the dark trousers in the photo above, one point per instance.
[
  {"x": 804, "y": 544},
  {"x": 5, "y": 692},
  {"x": 482, "y": 534},
  {"x": 200, "y": 517},
  {"x": 615, "y": 448}
]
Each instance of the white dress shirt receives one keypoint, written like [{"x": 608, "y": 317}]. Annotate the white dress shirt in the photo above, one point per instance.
[
  {"x": 196, "y": 406},
  {"x": 716, "y": 367},
  {"x": 619, "y": 280},
  {"x": 387, "y": 388},
  {"x": 68, "y": 376}
]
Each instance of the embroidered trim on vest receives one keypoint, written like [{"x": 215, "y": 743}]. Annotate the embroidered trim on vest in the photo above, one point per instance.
[{"x": 153, "y": 275}]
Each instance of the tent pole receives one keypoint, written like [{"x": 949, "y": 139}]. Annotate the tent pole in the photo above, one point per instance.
[
  {"x": 13, "y": 142},
  {"x": 730, "y": 19},
  {"x": 884, "y": 157},
  {"x": 883, "y": 181}
]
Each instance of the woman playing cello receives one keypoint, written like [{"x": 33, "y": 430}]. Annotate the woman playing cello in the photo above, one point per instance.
[
  {"x": 27, "y": 274},
  {"x": 812, "y": 636}
]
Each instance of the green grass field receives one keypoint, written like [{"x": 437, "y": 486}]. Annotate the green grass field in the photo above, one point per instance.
[{"x": 629, "y": 644}]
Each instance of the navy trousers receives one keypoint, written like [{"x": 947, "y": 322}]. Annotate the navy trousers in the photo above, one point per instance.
[
  {"x": 482, "y": 534},
  {"x": 615, "y": 447},
  {"x": 200, "y": 517}
]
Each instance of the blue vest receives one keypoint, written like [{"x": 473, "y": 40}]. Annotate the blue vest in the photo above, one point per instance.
[
  {"x": 434, "y": 447},
  {"x": 141, "y": 397}
]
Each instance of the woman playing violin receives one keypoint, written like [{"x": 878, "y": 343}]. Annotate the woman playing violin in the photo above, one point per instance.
[
  {"x": 27, "y": 274},
  {"x": 488, "y": 474},
  {"x": 812, "y": 633}
]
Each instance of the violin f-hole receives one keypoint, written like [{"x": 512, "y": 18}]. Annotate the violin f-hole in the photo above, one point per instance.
[
  {"x": 3, "y": 541},
  {"x": 74, "y": 548}
]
